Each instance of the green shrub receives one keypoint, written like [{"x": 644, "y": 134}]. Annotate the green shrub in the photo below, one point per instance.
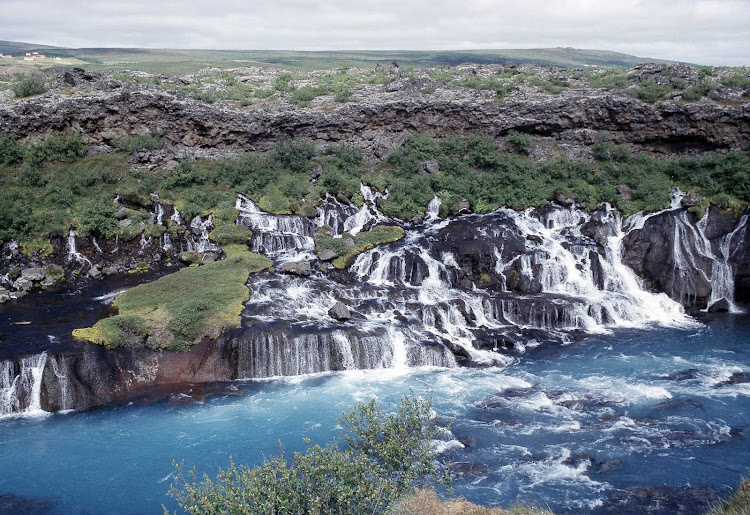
[
  {"x": 65, "y": 147},
  {"x": 293, "y": 154},
  {"x": 696, "y": 92},
  {"x": 11, "y": 152},
  {"x": 343, "y": 96},
  {"x": 27, "y": 86},
  {"x": 96, "y": 217},
  {"x": 263, "y": 93},
  {"x": 231, "y": 234},
  {"x": 519, "y": 142},
  {"x": 650, "y": 92},
  {"x": 738, "y": 504},
  {"x": 284, "y": 83},
  {"x": 738, "y": 80},
  {"x": 274, "y": 201},
  {"x": 138, "y": 142},
  {"x": 303, "y": 96},
  {"x": 384, "y": 457}
]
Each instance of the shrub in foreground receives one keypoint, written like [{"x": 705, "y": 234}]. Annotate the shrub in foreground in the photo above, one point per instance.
[
  {"x": 382, "y": 458},
  {"x": 28, "y": 86}
]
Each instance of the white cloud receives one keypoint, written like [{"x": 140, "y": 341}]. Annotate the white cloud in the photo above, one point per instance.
[{"x": 702, "y": 31}]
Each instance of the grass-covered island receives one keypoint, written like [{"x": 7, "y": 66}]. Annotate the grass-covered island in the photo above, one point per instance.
[{"x": 178, "y": 310}]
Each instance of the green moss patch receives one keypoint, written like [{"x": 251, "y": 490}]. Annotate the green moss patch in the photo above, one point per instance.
[
  {"x": 363, "y": 241},
  {"x": 178, "y": 310}
]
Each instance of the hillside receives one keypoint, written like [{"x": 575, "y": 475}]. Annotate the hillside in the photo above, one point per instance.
[{"x": 187, "y": 61}]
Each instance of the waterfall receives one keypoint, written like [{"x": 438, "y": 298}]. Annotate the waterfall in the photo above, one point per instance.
[
  {"x": 21, "y": 385},
  {"x": 159, "y": 214},
  {"x": 368, "y": 213},
  {"x": 96, "y": 245},
  {"x": 72, "y": 252},
  {"x": 722, "y": 278},
  {"x": 283, "y": 237},
  {"x": 198, "y": 241},
  {"x": 432, "y": 212}
]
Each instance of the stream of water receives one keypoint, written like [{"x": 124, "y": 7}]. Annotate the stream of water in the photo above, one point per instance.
[{"x": 568, "y": 426}]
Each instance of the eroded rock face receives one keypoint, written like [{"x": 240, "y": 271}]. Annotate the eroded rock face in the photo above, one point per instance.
[{"x": 107, "y": 110}]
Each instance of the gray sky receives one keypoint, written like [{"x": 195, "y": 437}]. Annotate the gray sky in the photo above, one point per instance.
[{"x": 701, "y": 31}]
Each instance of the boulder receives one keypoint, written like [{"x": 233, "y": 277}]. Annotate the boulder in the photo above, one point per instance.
[
  {"x": 464, "y": 207},
  {"x": 327, "y": 255},
  {"x": 340, "y": 312},
  {"x": 301, "y": 268},
  {"x": 691, "y": 199},
  {"x": 125, "y": 223},
  {"x": 190, "y": 258},
  {"x": 721, "y": 305},
  {"x": 22, "y": 284},
  {"x": 95, "y": 273},
  {"x": 316, "y": 172},
  {"x": 33, "y": 274},
  {"x": 121, "y": 213},
  {"x": 430, "y": 166}
]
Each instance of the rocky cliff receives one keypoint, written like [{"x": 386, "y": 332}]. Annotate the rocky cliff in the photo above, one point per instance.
[{"x": 378, "y": 115}]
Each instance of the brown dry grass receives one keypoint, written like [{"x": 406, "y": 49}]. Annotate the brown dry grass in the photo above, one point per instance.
[{"x": 426, "y": 502}]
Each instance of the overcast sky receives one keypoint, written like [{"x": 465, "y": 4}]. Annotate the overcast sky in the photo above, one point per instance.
[{"x": 700, "y": 31}]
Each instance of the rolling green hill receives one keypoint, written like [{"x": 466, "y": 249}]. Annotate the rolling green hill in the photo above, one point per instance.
[{"x": 186, "y": 61}]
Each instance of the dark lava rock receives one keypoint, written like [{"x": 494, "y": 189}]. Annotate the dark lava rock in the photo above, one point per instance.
[
  {"x": 468, "y": 469},
  {"x": 430, "y": 166},
  {"x": 340, "y": 312},
  {"x": 301, "y": 268},
  {"x": 736, "y": 378},
  {"x": 720, "y": 306},
  {"x": 658, "y": 499},
  {"x": 683, "y": 375},
  {"x": 327, "y": 255}
]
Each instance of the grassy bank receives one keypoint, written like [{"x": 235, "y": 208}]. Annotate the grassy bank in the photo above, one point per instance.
[
  {"x": 178, "y": 310},
  {"x": 738, "y": 504}
]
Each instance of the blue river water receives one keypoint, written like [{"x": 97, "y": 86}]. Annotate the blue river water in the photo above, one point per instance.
[{"x": 566, "y": 426}]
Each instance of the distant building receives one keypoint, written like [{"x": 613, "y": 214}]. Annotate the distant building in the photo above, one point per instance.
[
  {"x": 5, "y": 56},
  {"x": 28, "y": 53},
  {"x": 34, "y": 57}
]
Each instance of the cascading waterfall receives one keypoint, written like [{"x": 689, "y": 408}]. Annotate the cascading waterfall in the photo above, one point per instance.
[
  {"x": 72, "y": 252},
  {"x": 722, "y": 278},
  {"x": 199, "y": 240},
  {"x": 279, "y": 236},
  {"x": 21, "y": 385}
]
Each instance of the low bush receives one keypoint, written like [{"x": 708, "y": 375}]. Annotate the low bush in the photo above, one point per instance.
[
  {"x": 138, "y": 142},
  {"x": 27, "y": 86},
  {"x": 650, "y": 92},
  {"x": 519, "y": 142},
  {"x": 383, "y": 456}
]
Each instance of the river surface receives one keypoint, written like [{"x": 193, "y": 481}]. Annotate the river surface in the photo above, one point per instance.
[{"x": 569, "y": 427}]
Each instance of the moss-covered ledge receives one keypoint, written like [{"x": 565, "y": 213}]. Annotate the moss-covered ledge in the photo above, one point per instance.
[
  {"x": 365, "y": 240},
  {"x": 178, "y": 310}
]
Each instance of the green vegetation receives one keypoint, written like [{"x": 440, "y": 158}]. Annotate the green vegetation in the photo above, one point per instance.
[
  {"x": 138, "y": 142},
  {"x": 49, "y": 187},
  {"x": 383, "y": 456},
  {"x": 738, "y": 504},
  {"x": 178, "y": 310},
  {"x": 650, "y": 91},
  {"x": 519, "y": 142},
  {"x": 358, "y": 243},
  {"x": 27, "y": 86}
]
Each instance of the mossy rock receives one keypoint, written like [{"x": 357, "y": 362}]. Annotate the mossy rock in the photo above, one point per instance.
[
  {"x": 54, "y": 272},
  {"x": 190, "y": 258},
  {"x": 154, "y": 231},
  {"x": 366, "y": 240},
  {"x": 42, "y": 248},
  {"x": 130, "y": 232},
  {"x": 230, "y": 234}
]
